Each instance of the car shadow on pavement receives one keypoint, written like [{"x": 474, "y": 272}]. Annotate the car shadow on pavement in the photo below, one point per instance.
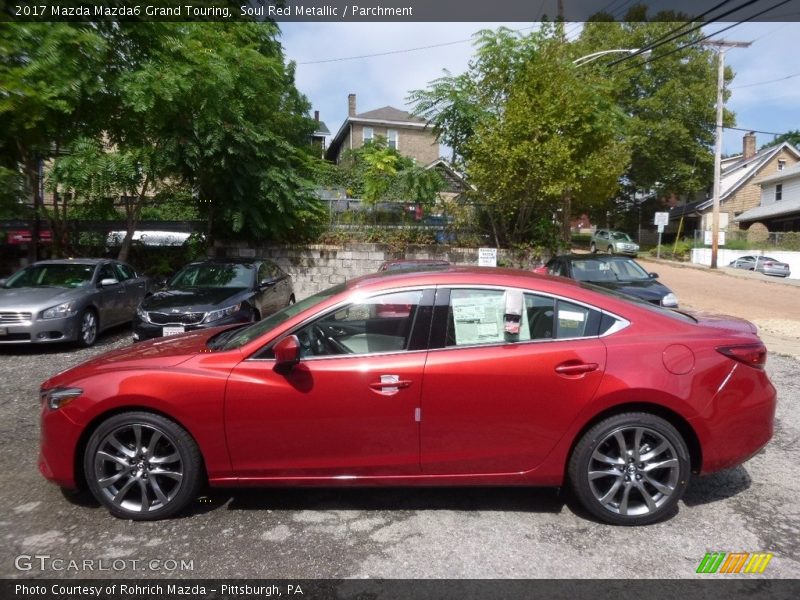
[
  {"x": 511, "y": 499},
  {"x": 717, "y": 486}
]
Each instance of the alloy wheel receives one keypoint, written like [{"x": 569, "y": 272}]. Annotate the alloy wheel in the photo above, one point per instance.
[
  {"x": 88, "y": 328},
  {"x": 633, "y": 471},
  {"x": 138, "y": 468}
]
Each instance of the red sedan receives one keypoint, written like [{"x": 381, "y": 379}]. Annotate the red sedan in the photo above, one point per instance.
[{"x": 493, "y": 377}]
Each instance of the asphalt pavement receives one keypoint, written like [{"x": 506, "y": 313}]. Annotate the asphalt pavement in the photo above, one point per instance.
[{"x": 382, "y": 533}]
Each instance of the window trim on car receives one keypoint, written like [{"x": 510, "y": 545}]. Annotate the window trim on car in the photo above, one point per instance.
[
  {"x": 622, "y": 321},
  {"x": 353, "y": 299}
]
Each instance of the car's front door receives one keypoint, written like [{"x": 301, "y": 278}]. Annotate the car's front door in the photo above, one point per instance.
[
  {"x": 349, "y": 408},
  {"x": 112, "y": 298},
  {"x": 497, "y": 402}
]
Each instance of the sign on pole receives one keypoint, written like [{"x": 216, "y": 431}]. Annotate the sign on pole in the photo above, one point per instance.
[
  {"x": 661, "y": 220},
  {"x": 487, "y": 257}
]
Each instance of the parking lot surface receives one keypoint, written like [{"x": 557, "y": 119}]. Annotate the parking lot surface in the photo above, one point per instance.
[{"x": 397, "y": 533}]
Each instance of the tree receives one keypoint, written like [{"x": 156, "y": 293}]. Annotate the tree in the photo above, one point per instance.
[
  {"x": 557, "y": 139},
  {"x": 793, "y": 137},
  {"x": 669, "y": 97}
]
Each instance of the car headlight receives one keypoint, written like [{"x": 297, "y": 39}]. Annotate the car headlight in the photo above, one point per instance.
[
  {"x": 59, "y": 312},
  {"x": 669, "y": 300},
  {"x": 216, "y": 315},
  {"x": 142, "y": 314},
  {"x": 58, "y": 397}
]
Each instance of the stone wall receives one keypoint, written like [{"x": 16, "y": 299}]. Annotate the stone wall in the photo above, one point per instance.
[{"x": 317, "y": 266}]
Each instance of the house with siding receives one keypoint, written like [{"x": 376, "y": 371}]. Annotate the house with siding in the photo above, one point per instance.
[
  {"x": 740, "y": 189},
  {"x": 410, "y": 135},
  {"x": 779, "y": 209}
]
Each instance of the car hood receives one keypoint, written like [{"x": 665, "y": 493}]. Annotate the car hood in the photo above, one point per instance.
[
  {"x": 649, "y": 290},
  {"x": 160, "y": 353},
  {"x": 37, "y": 298},
  {"x": 192, "y": 300}
]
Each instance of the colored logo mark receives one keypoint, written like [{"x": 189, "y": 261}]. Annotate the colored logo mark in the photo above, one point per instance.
[{"x": 734, "y": 562}]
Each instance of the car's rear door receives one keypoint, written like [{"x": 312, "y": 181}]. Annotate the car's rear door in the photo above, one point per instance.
[
  {"x": 349, "y": 408},
  {"x": 497, "y": 402}
]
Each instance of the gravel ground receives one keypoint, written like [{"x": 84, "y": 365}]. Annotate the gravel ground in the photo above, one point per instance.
[{"x": 452, "y": 533}]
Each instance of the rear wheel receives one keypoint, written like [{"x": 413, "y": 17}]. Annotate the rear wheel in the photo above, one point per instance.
[
  {"x": 142, "y": 466},
  {"x": 630, "y": 469},
  {"x": 593, "y": 248},
  {"x": 610, "y": 250}
]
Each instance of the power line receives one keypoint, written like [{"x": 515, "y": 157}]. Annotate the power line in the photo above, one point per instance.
[
  {"x": 757, "y": 131},
  {"x": 403, "y": 51},
  {"x": 739, "y": 87}
]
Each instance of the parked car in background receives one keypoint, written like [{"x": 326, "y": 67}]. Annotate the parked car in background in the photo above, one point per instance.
[
  {"x": 494, "y": 377},
  {"x": 211, "y": 293},
  {"x": 618, "y": 273},
  {"x": 69, "y": 300},
  {"x": 763, "y": 264},
  {"x": 413, "y": 264},
  {"x": 613, "y": 242}
]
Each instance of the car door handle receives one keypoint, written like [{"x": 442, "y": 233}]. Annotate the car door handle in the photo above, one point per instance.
[
  {"x": 385, "y": 385},
  {"x": 576, "y": 369}
]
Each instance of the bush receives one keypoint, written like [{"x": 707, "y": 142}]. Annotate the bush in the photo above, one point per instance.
[{"x": 682, "y": 251}]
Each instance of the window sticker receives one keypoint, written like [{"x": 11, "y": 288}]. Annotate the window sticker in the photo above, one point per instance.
[{"x": 478, "y": 318}]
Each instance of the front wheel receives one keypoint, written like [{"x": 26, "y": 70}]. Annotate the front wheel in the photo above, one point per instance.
[
  {"x": 593, "y": 248},
  {"x": 610, "y": 250},
  {"x": 87, "y": 332},
  {"x": 630, "y": 469},
  {"x": 142, "y": 466}
]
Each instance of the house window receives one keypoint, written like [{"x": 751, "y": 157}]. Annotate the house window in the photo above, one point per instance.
[
  {"x": 392, "y": 138},
  {"x": 778, "y": 192},
  {"x": 781, "y": 164},
  {"x": 368, "y": 134}
]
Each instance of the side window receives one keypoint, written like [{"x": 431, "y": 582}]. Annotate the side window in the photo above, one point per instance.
[
  {"x": 478, "y": 317},
  {"x": 540, "y": 311},
  {"x": 263, "y": 273},
  {"x": 574, "y": 320},
  {"x": 124, "y": 272},
  {"x": 375, "y": 326},
  {"x": 107, "y": 272},
  {"x": 556, "y": 268}
]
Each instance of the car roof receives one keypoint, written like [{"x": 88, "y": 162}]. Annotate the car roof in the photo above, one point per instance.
[
  {"x": 604, "y": 257},
  {"x": 228, "y": 261},
  {"x": 73, "y": 261}
]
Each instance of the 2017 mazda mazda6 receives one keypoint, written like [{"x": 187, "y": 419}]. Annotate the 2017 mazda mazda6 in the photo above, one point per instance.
[{"x": 490, "y": 377}]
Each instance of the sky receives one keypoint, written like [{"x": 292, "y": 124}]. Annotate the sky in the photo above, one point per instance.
[{"x": 386, "y": 80}]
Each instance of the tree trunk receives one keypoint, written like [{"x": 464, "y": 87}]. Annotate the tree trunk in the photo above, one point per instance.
[{"x": 133, "y": 210}]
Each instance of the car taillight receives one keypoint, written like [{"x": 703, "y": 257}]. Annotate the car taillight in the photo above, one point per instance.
[{"x": 754, "y": 355}]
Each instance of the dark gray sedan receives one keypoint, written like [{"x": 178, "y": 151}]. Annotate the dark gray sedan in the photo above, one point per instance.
[
  {"x": 68, "y": 300},
  {"x": 762, "y": 264}
]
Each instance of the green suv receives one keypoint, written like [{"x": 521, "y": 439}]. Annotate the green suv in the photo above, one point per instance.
[{"x": 613, "y": 242}]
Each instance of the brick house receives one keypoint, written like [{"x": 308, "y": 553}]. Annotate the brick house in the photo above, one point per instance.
[{"x": 410, "y": 135}]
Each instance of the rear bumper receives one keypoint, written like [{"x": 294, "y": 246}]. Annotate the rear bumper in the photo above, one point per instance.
[{"x": 739, "y": 421}]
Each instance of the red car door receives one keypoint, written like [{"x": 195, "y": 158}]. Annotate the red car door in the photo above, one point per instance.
[
  {"x": 349, "y": 408},
  {"x": 494, "y": 404}
]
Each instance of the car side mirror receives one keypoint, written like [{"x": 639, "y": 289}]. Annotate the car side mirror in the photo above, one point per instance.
[
  {"x": 267, "y": 282},
  {"x": 287, "y": 353},
  {"x": 653, "y": 275},
  {"x": 161, "y": 283},
  {"x": 108, "y": 282}
]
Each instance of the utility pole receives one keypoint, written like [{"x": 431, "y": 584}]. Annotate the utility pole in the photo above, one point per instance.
[{"x": 721, "y": 46}]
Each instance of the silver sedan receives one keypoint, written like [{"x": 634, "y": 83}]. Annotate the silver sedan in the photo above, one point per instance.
[
  {"x": 68, "y": 300},
  {"x": 762, "y": 264}
]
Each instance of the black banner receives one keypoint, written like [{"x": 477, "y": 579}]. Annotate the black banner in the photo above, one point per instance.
[
  {"x": 396, "y": 10},
  {"x": 733, "y": 588}
]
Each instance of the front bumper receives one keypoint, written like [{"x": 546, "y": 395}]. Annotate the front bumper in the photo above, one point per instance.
[
  {"x": 41, "y": 331},
  {"x": 143, "y": 330},
  {"x": 57, "y": 447}
]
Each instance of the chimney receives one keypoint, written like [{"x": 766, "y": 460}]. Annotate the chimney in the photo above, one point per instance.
[
  {"x": 749, "y": 145},
  {"x": 316, "y": 116},
  {"x": 351, "y": 105}
]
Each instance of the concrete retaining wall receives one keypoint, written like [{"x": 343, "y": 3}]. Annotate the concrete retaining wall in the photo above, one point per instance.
[{"x": 702, "y": 256}]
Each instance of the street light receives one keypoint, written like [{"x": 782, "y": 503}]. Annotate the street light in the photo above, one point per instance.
[{"x": 595, "y": 55}]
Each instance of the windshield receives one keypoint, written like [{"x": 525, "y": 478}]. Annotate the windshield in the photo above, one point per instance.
[
  {"x": 611, "y": 269},
  {"x": 214, "y": 275},
  {"x": 52, "y": 275},
  {"x": 620, "y": 236},
  {"x": 235, "y": 338}
]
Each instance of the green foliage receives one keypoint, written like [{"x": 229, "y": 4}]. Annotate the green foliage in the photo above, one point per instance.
[
  {"x": 682, "y": 251},
  {"x": 793, "y": 137}
]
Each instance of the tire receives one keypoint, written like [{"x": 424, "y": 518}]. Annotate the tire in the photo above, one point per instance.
[
  {"x": 136, "y": 481},
  {"x": 610, "y": 250},
  {"x": 254, "y": 316},
  {"x": 291, "y": 300},
  {"x": 593, "y": 248},
  {"x": 632, "y": 492},
  {"x": 87, "y": 328}
]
